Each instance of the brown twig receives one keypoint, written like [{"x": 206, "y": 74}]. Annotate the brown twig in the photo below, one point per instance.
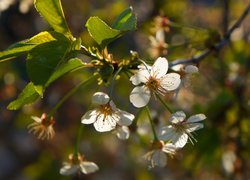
[{"x": 197, "y": 58}]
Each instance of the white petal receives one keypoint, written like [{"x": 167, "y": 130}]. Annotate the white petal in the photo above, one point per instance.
[
  {"x": 88, "y": 167},
  {"x": 190, "y": 69},
  {"x": 123, "y": 132},
  {"x": 196, "y": 118},
  {"x": 159, "y": 158},
  {"x": 180, "y": 139},
  {"x": 140, "y": 96},
  {"x": 100, "y": 98},
  {"x": 37, "y": 119},
  {"x": 125, "y": 118},
  {"x": 113, "y": 106},
  {"x": 170, "y": 81},
  {"x": 140, "y": 77},
  {"x": 89, "y": 117},
  {"x": 104, "y": 124},
  {"x": 194, "y": 127},
  {"x": 167, "y": 133},
  {"x": 169, "y": 148},
  {"x": 69, "y": 169},
  {"x": 177, "y": 117},
  {"x": 159, "y": 68}
]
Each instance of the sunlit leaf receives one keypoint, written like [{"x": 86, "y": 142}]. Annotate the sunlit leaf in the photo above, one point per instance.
[
  {"x": 27, "y": 96},
  {"x": 101, "y": 32},
  {"x": 53, "y": 13},
  {"x": 71, "y": 65},
  {"x": 23, "y": 47},
  {"x": 126, "y": 21},
  {"x": 44, "y": 59}
]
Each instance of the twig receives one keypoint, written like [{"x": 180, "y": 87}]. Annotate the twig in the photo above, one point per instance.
[{"x": 197, "y": 58}]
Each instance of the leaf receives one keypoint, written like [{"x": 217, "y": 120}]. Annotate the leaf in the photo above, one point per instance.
[
  {"x": 23, "y": 47},
  {"x": 53, "y": 13},
  {"x": 126, "y": 21},
  {"x": 27, "y": 96},
  {"x": 101, "y": 32},
  {"x": 43, "y": 60},
  {"x": 71, "y": 65}
]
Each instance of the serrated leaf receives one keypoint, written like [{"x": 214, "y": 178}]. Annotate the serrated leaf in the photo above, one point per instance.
[
  {"x": 52, "y": 12},
  {"x": 126, "y": 21},
  {"x": 43, "y": 59},
  {"x": 23, "y": 47},
  {"x": 101, "y": 32},
  {"x": 27, "y": 96},
  {"x": 71, "y": 65}
]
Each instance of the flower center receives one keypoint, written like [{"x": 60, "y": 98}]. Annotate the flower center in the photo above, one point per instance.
[
  {"x": 153, "y": 84},
  {"x": 106, "y": 109},
  {"x": 157, "y": 144}
]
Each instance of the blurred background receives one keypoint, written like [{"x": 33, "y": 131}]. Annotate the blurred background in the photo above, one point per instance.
[{"x": 221, "y": 91}]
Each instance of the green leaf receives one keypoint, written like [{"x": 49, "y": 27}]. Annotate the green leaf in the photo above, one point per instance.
[
  {"x": 53, "y": 13},
  {"x": 44, "y": 59},
  {"x": 101, "y": 32},
  {"x": 23, "y": 47},
  {"x": 27, "y": 96},
  {"x": 71, "y": 65},
  {"x": 126, "y": 21}
]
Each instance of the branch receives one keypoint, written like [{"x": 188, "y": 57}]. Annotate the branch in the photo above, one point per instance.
[{"x": 197, "y": 58}]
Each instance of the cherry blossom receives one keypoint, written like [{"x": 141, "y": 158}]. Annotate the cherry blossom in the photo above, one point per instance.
[
  {"x": 154, "y": 80},
  {"x": 77, "y": 163},
  {"x": 180, "y": 129},
  {"x": 42, "y": 127},
  {"x": 158, "y": 156},
  {"x": 105, "y": 116}
]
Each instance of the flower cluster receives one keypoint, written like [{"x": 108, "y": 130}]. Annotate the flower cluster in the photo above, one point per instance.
[{"x": 176, "y": 135}]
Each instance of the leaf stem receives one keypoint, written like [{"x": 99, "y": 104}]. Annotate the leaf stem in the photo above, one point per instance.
[
  {"x": 151, "y": 123},
  {"x": 113, "y": 82},
  {"x": 164, "y": 103},
  {"x": 70, "y": 93},
  {"x": 78, "y": 140}
]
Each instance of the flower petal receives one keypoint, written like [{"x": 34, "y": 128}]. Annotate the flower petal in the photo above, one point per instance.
[
  {"x": 177, "y": 117},
  {"x": 89, "y": 117},
  {"x": 169, "y": 148},
  {"x": 194, "y": 127},
  {"x": 140, "y": 77},
  {"x": 180, "y": 139},
  {"x": 170, "y": 81},
  {"x": 196, "y": 118},
  {"x": 159, "y": 68},
  {"x": 140, "y": 96},
  {"x": 100, "y": 98},
  {"x": 105, "y": 123},
  {"x": 125, "y": 118},
  {"x": 69, "y": 169},
  {"x": 37, "y": 119},
  {"x": 88, "y": 167},
  {"x": 158, "y": 159},
  {"x": 191, "y": 69},
  {"x": 123, "y": 132},
  {"x": 167, "y": 133}
]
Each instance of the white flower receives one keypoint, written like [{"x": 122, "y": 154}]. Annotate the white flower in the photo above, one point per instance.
[
  {"x": 180, "y": 129},
  {"x": 122, "y": 132},
  {"x": 106, "y": 115},
  {"x": 76, "y": 164},
  {"x": 153, "y": 80},
  {"x": 158, "y": 156},
  {"x": 42, "y": 127}
]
